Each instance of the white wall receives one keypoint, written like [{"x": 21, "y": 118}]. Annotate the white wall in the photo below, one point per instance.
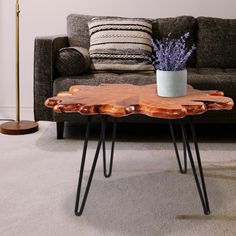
[{"x": 48, "y": 17}]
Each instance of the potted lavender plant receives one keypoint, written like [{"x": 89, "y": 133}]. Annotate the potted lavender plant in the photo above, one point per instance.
[{"x": 169, "y": 59}]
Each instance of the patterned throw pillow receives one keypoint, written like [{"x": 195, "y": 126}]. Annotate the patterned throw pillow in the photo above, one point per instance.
[{"x": 120, "y": 44}]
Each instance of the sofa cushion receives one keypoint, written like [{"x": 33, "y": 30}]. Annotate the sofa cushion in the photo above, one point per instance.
[
  {"x": 120, "y": 44},
  {"x": 216, "y": 42},
  {"x": 177, "y": 26},
  {"x": 214, "y": 78},
  {"x": 72, "y": 61},
  {"x": 64, "y": 83}
]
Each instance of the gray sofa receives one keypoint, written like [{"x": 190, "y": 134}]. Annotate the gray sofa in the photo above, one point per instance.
[{"x": 212, "y": 66}]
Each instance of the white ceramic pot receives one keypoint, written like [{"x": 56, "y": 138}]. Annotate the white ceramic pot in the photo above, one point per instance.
[{"x": 171, "y": 83}]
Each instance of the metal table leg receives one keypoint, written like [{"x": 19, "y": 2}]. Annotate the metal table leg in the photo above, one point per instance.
[
  {"x": 101, "y": 141},
  {"x": 201, "y": 187},
  {"x": 108, "y": 174},
  {"x": 183, "y": 170}
]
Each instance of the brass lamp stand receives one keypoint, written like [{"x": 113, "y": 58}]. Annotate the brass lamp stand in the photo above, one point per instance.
[{"x": 18, "y": 127}]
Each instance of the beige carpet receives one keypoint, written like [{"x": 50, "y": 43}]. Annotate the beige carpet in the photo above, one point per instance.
[{"x": 146, "y": 196}]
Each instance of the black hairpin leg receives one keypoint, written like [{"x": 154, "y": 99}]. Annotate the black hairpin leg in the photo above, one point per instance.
[
  {"x": 183, "y": 170},
  {"x": 79, "y": 210},
  {"x": 200, "y": 187},
  {"x": 108, "y": 174}
]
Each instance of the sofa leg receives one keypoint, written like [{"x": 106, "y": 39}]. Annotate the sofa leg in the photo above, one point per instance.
[{"x": 60, "y": 130}]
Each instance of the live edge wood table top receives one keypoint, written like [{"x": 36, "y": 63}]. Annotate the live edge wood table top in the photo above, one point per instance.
[
  {"x": 120, "y": 100},
  {"x": 124, "y": 99}
]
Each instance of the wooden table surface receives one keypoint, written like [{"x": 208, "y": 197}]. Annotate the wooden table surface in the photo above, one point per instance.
[{"x": 124, "y": 99}]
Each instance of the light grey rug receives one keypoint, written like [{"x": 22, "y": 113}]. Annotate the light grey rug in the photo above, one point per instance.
[{"x": 146, "y": 195}]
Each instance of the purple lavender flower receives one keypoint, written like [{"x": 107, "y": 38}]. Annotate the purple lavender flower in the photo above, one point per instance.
[{"x": 170, "y": 54}]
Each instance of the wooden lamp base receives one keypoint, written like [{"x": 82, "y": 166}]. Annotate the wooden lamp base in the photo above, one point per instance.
[{"x": 18, "y": 128}]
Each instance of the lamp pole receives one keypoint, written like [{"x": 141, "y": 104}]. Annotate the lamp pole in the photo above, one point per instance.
[
  {"x": 18, "y": 127},
  {"x": 17, "y": 61}
]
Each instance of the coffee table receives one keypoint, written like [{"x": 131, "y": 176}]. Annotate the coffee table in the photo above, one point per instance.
[{"x": 118, "y": 100}]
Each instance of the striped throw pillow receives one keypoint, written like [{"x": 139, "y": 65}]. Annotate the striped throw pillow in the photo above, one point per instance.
[{"x": 120, "y": 44}]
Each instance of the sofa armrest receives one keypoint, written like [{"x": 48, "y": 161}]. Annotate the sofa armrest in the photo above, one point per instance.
[{"x": 45, "y": 51}]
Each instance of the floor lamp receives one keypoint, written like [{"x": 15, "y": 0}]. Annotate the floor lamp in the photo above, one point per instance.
[{"x": 18, "y": 127}]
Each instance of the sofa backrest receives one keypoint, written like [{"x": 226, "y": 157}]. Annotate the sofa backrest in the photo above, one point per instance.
[
  {"x": 216, "y": 46},
  {"x": 178, "y": 26},
  {"x": 78, "y": 31}
]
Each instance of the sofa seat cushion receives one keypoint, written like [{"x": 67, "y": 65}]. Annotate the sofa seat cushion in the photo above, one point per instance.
[
  {"x": 120, "y": 44},
  {"x": 216, "y": 45},
  {"x": 204, "y": 78},
  {"x": 214, "y": 78},
  {"x": 64, "y": 83}
]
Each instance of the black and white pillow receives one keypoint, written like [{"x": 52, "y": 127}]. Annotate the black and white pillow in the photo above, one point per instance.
[{"x": 120, "y": 44}]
